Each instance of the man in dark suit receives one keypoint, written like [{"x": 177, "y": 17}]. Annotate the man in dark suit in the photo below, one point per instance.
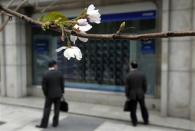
[
  {"x": 53, "y": 89},
  {"x": 136, "y": 87}
]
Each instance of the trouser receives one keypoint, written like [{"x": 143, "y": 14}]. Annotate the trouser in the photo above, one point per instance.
[
  {"x": 144, "y": 111},
  {"x": 47, "y": 110}
]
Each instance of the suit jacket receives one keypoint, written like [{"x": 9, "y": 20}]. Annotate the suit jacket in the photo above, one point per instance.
[
  {"x": 53, "y": 84},
  {"x": 136, "y": 85}
]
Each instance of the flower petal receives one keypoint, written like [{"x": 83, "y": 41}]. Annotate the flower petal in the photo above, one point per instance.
[
  {"x": 94, "y": 12},
  {"x": 61, "y": 48},
  {"x": 83, "y": 39},
  {"x": 73, "y": 38},
  {"x": 68, "y": 53},
  {"x": 83, "y": 28},
  {"x": 77, "y": 53},
  {"x": 90, "y": 7},
  {"x": 82, "y": 22},
  {"x": 94, "y": 16},
  {"x": 73, "y": 52},
  {"x": 95, "y": 20}
]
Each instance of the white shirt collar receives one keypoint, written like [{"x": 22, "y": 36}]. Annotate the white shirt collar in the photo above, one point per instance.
[
  {"x": 133, "y": 69},
  {"x": 51, "y": 68}
]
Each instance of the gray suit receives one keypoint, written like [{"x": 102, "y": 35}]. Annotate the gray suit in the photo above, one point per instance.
[
  {"x": 136, "y": 87},
  {"x": 53, "y": 89}
]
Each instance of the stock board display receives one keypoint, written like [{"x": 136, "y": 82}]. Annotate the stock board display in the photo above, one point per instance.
[{"x": 103, "y": 62}]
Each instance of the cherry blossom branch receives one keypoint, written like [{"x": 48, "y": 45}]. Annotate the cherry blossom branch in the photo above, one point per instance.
[
  {"x": 106, "y": 36},
  {"x": 9, "y": 18},
  {"x": 10, "y": 3},
  {"x": 4, "y": 13},
  {"x": 19, "y": 15}
]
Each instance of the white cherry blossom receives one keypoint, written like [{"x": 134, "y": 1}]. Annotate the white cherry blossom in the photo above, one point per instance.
[
  {"x": 73, "y": 38},
  {"x": 93, "y": 15},
  {"x": 71, "y": 52},
  {"x": 84, "y": 28},
  {"x": 61, "y": 48},
  {"x": 82, "y": 22}
]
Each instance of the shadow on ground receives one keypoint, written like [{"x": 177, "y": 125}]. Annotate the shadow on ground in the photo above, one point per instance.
[{"x": 77, "y": 123}]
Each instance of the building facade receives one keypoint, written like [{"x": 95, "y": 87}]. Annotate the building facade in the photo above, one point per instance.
[{"x": 99, "y": 77}]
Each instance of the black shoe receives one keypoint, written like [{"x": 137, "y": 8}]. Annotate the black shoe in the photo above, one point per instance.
[
  {"x": 146, "y": 122},
  {"x": 134, "y": 124},
  {"x": 39, "y": 126},
  {"x": 55, "y": 125}
]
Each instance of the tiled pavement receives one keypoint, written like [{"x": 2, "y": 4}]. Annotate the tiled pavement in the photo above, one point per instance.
[
  {"x": 24, "y": 113},
  {"x": 25, "y": 119}
]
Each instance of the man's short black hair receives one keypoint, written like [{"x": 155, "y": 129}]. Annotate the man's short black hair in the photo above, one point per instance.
[
  {"x": 52, "y": 63},
  {"x": 134, "y": 64}
]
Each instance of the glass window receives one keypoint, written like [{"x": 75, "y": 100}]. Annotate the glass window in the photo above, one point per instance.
[
  {"x": 43, "y": 46},
  {"x": 105, "y": 63}
]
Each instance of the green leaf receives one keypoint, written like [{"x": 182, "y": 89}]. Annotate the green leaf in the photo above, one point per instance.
[
  {"x": 51, "y": 17},
  {"x": 122, "y": 26},
  {"x": 55, "y": 18}
]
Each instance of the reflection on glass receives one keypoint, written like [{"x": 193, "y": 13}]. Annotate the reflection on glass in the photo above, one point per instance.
[{"x": 105, "y": 63}]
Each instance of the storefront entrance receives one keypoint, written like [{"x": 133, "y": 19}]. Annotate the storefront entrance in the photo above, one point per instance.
[{"x": 105, "y": 63}]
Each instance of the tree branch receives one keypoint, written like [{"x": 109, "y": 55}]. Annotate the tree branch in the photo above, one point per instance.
[
  {"x": 10, "y": 3},
  {"x": 7, "y": 20},
  {"x": 106, "y": 36},
  {"x": 4, "y": 13},
  {"x": 19, "y": 15}
]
